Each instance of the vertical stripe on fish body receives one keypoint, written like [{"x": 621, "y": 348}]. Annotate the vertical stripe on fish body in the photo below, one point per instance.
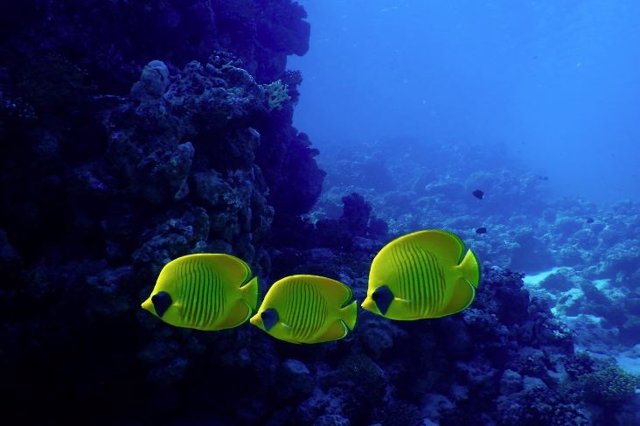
[
  {"x": 203, "y": 294},
  {"x": 421, "y": 281},
  {"x": 303, "y": 309},
  {"x": 307, "y": 309}
]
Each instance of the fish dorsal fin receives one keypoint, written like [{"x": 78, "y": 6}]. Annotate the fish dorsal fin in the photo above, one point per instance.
[
  {"x": 277, "y": 291},
  {"x": 447, "y": 247},
  {"x": 334, "y": 292},
  {"x": 233, "y": 272}
]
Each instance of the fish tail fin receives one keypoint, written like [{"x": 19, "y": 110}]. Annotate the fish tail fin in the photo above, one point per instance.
[
  {"x": 470, "y": 268},
  {"x": 349, "y": 314},
  {"x": 250, "y": 292}
]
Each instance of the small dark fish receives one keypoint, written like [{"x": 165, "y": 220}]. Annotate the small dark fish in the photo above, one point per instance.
[
  {"x": 478, "y": 194},
  {"x": 589, "y": 220},
  {"x": 543, "y": 177},
  {"x": 481, "y": 230}
]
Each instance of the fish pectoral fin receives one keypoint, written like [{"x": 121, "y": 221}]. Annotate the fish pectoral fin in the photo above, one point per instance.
[
  {"x": 402, "y": 303},
  {"x": 285, "y": 326},
  {"x": 463, "y": 294},
  {"x": 338, "y": 330},
  {"x": 238, "y": 314}
]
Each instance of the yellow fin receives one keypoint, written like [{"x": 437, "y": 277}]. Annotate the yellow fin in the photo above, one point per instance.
[
  {"x": 463, "y": 294},
  {"x": 336, "y": 331},
  {"x": 250, "y": 293},
  {"x": 446, "y": 246},
  {"x": 334, "y": 292},
  {"x": 238, "y": 314},
  {"x": 232, "y": 270},
  {"x": 349, "y": 315},
  {"x": 236, "y": 270},
  {"x": 470, "y": 268}
]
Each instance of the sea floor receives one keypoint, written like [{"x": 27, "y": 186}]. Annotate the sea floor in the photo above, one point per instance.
[{"x": 591, "y": 333}]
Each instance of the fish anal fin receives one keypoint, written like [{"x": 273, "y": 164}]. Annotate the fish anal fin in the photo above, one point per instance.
[
  {"x": 237, "y": 314},
  {"x": 463, "y": 294},
  {"x": 338, "y": 330}
]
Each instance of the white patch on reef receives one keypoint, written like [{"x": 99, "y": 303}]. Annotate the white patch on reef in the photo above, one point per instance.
[
  {"x": 630, "y": 360},
  {"x": 534, "y": 280},
  {"x": 609, "y": 289},
  {"x": 602, "y": 284},
  {"x": 566, "y": 301},
  {"x": 630, "y": 365},
  {"x": 533, "y": 283}
]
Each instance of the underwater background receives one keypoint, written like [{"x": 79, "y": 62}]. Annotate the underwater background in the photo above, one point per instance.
[{"x": 302, "y": 137}]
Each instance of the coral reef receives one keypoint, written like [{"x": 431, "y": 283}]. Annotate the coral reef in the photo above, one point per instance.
[
  {"x": 590, "y": 251},
  {"x": 611, "y": 385},
  {"x": 134, "y": 133}
]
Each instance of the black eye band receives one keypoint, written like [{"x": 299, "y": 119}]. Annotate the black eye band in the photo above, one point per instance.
[
  {"x": 269, "y": 318},
  {"x": 161, "y": 302}
]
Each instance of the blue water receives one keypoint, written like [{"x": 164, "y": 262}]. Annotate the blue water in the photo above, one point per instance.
[{"x": 555, "y": 83}]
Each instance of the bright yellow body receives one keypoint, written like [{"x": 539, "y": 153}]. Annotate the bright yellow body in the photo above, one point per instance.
[
  {"x": 208, "y": 291},
  {"x": 426, "y": 274},
  {"x": 310, "y": 309}
]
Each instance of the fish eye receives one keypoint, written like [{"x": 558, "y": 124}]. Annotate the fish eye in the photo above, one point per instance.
[{"x": 269, "y": 318}]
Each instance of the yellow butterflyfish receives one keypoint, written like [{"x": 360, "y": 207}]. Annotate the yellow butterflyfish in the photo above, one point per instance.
[
  {"x": 424, "y": 274},
  {"x": 307, "y": 309},
  {"x": 204, "y": 291}
]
